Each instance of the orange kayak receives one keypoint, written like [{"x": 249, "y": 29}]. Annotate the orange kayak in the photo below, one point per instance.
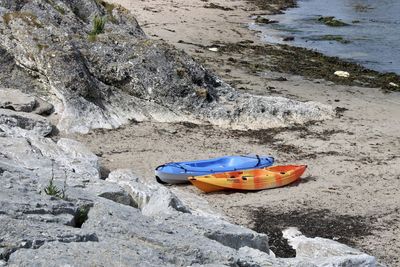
[{"x": 255, "y": 179}]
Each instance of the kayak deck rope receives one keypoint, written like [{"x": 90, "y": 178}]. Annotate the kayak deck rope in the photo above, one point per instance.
[{"x": 178, "y": 165}]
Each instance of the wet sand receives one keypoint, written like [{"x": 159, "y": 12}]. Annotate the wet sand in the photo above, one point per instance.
[{"x": 353, "y": 159}]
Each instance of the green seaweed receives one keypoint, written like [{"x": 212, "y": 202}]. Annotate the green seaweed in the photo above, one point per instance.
[
  {"x": 329, "y": 37},
  {"x": 332, "y": 22}
]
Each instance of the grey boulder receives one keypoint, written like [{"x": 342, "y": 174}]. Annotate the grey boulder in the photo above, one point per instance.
[
  {"x": 13, "y": 123},
  {"x": 16, "y": 100}
]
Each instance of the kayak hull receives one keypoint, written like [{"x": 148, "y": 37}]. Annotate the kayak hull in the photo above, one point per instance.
[
  {"x": 179, "y": 172},
  {"x": 250, "y": 180}
]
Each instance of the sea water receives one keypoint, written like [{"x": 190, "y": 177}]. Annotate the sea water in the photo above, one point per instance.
[{"x": 371, "y": 39}]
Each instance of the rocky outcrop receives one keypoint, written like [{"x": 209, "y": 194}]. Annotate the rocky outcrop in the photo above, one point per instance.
[
  {"x": 55, "y": 210},
  {"x": 102, "y": 78}
]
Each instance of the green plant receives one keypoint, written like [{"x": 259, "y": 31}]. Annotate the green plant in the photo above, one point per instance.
[
  {"x": 332, "y": 22},
  {"x": 81, "y": 215},
  {"x": 98, "y": 25},
  {"x": 52, "y": 190}
]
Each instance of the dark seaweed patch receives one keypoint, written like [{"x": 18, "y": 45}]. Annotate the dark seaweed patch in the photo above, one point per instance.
[
  {"x": 312, "y": 223},
  {"x": 306, "y": 63}
]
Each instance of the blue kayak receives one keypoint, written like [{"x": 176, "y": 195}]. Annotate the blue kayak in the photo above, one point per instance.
[{"x": 178, "y": 172}]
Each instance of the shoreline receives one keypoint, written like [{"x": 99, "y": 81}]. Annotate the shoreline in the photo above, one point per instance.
[
  {"x": 352, "y": 32},
  {"x": 352, "y": 158}
]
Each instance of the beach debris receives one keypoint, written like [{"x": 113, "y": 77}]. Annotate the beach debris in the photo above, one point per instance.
[
  {"x": 394, "y": 84},
  {"x": 288, "y": 39},
  {"x": 213, "y": 49},
  {"x": 341, "y": 73}
]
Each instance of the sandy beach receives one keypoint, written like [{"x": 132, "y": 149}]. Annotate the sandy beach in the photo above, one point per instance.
[{"x": 350, "y": 191}]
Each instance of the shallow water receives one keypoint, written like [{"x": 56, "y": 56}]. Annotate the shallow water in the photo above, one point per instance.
[{"x": 372, "y": 38}]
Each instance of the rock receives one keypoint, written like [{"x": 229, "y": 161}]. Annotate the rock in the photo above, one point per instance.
[
  {"x": 16, "y": 100},
  {"x": 44, "y": 158},
  {"x": 127, "y": 179},
  {"x": 253, "y": 257},
  {"x": 152, "y": 199},
  {"x": 42, "y": 107},
  {"x": 15, "y": 123},
  {"x": 83, "y": 162},
  {"x": 111, "y": 252},
  {"x": 262, "y": 20},
  {"x": 238, "y": 240},
  {"x": 121, "y": 197},
  {"x": 197, "y": 205},
  {"x": 326, "y": 252},
  {"x": 109, "y": 79}
]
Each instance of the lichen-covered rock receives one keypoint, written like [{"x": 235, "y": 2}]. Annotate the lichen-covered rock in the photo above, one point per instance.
[{"x": 106, "y": 79}]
